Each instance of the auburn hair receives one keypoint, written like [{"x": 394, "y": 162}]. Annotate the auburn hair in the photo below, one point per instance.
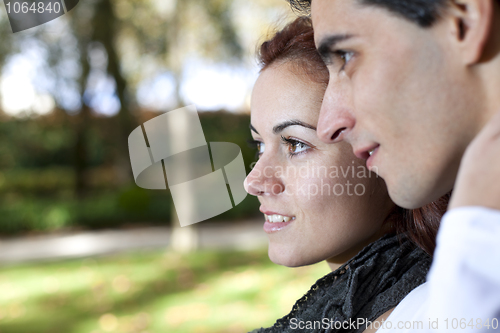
[{"x": 295, "y": 44}]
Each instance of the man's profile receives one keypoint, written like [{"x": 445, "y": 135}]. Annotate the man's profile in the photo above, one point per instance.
[
  {"x": 412, "y": 81},
  {"x": 414, "y": 88}
]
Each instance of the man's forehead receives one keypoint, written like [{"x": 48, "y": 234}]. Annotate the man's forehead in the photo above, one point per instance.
[
  {"x": 337, "y": 14},
  {"x": 337, "y": 18},
  {"x": 337, "y": 8},
  {"x": 333, "y": 19}
]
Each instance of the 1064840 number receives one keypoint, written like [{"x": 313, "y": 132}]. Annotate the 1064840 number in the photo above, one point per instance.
[
  {"x": 464, "y": 323},
  {"x": 35, "y": 7}
]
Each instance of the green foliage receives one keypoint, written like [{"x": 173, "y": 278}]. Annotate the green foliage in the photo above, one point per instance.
[
  {"x": 37, "y": 182},
  {"x": 134, "y": 200},
  {"x": 32, "y": 143},
  {"x": 154, "y": 291},
  {"x": 37, "y": 179},
  {"x": 229, "y": 127},
  {"x": 104, "y": 210},
  {"x": 47, "y": 142}
]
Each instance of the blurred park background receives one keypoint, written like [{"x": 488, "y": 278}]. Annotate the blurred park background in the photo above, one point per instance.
[{"x": 71, "y": 91}]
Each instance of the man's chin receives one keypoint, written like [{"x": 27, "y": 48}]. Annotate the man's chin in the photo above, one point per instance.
[
  {"x": 410, "y": 197},
  {"x": 414, "y": 198}
]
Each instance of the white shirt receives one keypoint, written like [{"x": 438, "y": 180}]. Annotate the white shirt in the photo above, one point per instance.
[{"x": 462, "y": 292}]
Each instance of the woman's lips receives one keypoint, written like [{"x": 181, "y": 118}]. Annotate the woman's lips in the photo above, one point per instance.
[{"x": 276, "y": 222}]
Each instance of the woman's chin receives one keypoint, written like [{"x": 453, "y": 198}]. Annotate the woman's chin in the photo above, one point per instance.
[{"x": 288, "y": 258}]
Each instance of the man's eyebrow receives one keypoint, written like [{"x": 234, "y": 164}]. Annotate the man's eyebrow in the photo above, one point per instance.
[
  {"x": 327, "y": 43},
  {"x": 282, "y": 126},
  {"x": 253, "y": 129}
]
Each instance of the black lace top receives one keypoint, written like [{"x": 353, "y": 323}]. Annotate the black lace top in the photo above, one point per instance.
[{"x": 365, "y": 287}]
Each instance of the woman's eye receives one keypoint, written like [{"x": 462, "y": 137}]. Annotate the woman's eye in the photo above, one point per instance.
[
  {"x": 259, "y": 145},
  {"x": 298, "y": 147},
  {"x": 295, "y": 147}
]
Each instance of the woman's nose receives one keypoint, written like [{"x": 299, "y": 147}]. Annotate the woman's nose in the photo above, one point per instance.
[{"x": 263, "y": 180}]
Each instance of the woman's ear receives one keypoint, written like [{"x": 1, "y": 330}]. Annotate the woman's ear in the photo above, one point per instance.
[{"x": 471, "y": 23}]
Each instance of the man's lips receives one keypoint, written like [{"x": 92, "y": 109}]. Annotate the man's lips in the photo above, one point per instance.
[
  {"x": 366, "y": 151},
  {"x": 370, "y": 162}
]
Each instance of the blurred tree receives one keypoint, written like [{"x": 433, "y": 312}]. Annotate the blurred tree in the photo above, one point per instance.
[
  {"x": 105, "y": 30},
  {"x": 94, "y": 24},
  {"x": 127, "y": 42},
  {"x": 82, "y": 125},
  {"x": 166, "y": 37},
  {"x": 5, "y": 44},
  {"x": 156, "y": 36}
]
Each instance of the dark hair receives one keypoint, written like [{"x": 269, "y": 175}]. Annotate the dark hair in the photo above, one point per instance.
[
  {"x": 295, "y": 44},
  {"x": 421, "y": 225},
  {"x": 422, "y": 12}
]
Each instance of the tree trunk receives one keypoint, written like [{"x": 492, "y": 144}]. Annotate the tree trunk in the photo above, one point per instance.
[
  {"x": 81, "y": 152},
  {"x": 183, "y": 239},
  {"x": 105, "y": 27},
  {"x": 81, "y": 130}
]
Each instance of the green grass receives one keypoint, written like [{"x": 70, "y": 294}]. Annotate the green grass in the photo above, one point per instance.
[{"x": 153, "y": 291}]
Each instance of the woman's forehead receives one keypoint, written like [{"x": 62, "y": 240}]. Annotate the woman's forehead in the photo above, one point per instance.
[{"x": 280, "y": 94}]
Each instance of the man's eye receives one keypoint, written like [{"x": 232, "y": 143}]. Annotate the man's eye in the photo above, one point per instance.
[
  {"x": 346, "y": 56},
  {"x": 341, "y": 58}
]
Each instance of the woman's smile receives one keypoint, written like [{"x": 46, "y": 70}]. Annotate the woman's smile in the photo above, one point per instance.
[
  {"x": 275, "y": 221},
  {"x": 270, "y": 227}
]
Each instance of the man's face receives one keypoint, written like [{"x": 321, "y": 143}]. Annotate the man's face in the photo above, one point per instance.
[{"x": 401, "y": 94}]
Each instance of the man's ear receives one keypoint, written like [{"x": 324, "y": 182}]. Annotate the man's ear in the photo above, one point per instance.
[{"x": 472, "y": 21}]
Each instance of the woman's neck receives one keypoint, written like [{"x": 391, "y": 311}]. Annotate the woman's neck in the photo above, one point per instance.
[{"x": 335, "y": 262}]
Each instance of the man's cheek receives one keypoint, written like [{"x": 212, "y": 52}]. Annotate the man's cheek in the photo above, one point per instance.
[{"x": 367, "y": 97}]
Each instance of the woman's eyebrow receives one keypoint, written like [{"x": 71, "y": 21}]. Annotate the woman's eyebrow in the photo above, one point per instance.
[
  {"x": 282, "y": 126},
  {"x": 253, "y": 129}
]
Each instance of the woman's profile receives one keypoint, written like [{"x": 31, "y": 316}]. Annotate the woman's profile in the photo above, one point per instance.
[{"x": 321, "y": 203}]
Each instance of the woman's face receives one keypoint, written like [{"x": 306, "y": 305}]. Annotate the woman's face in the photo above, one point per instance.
[{"x": 320, "y": 202}]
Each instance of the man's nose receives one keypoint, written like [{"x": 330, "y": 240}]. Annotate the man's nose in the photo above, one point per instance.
[{"x": 336, "y": 119}]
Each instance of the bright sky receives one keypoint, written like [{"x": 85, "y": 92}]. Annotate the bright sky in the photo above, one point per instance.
[
  {"x": 28, "y": 87},
  {"x": 208, "y": 86},
  {"x": 16, "y": 86}
]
